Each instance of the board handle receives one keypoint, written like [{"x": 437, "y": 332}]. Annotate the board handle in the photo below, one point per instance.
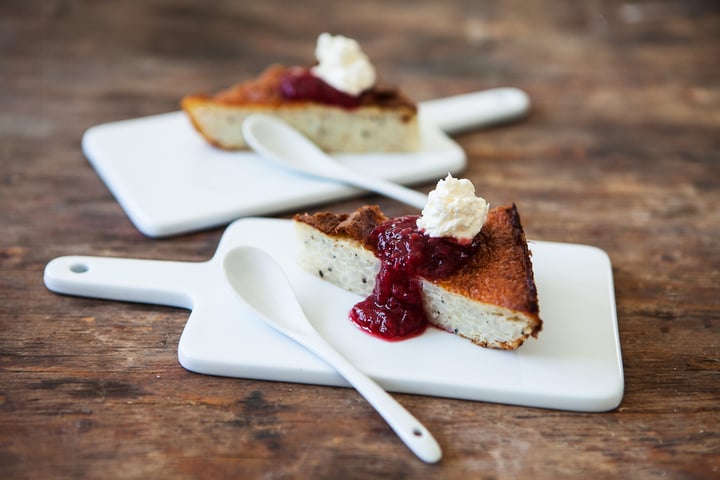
[
  {"x": 475, "y": 110},
  {"x": 158, "y": 282}
]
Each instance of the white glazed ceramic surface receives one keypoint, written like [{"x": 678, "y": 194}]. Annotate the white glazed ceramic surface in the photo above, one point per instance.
[
  {"x": 170, "y": 181},
  {"x": 574, "y": 364}
]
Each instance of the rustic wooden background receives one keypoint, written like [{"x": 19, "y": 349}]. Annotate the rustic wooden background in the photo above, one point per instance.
[{"x": 621, "y": 151}]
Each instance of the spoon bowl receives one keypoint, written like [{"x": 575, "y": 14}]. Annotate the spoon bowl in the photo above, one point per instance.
[
  {"x": 261, "y": 283},
  {"x": 277, "y": 141}
]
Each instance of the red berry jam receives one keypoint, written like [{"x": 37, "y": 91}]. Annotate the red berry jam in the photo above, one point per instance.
[
  {"x": 394, "y": 310},
  {"x": 301, "y": 84}
]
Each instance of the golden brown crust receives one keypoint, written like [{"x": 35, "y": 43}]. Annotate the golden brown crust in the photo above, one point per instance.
[
  {"x": 265, "y": 91},
  {"x": 499, "y": 274},
  {"x": 356, "y": 226},
  {"x": 378, "y": 120},
  {"x": 189, "y": 104}
]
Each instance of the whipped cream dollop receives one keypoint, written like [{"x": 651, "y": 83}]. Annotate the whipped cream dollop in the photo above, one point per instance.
[
  {"x": 342, "y": 64},
  {"x": 453, "y": 210}
]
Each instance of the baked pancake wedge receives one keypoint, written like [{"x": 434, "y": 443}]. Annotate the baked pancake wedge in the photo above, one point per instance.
[
  {"x": 490, "y": 300},
  {"x": 337, "y": 103},
  {"x": 383, "y": 120}
]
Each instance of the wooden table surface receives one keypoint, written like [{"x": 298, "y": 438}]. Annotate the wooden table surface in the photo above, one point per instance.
[{"x": 621, "y": 151}]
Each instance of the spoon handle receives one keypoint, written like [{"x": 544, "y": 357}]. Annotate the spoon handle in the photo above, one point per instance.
[
  {"x": 276, "y": 140},
  {"x": 475, "y": 110},
  {"x": 413, "y": 433}
]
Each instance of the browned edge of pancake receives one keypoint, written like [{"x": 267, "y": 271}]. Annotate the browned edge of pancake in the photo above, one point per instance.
[
  {"x": 499, "y": 274},
  {"x": 265, "y": 90}
]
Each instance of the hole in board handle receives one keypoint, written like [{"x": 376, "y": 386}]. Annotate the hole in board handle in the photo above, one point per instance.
[{"x": 79, "y": 268}]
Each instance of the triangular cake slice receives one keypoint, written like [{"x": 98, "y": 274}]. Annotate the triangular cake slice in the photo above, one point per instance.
[
  {"x": 375, "y": 118},
  {"x": 491, "y": 300}
]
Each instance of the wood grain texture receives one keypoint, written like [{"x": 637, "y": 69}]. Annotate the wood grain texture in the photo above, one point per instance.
[{"x": 621, "y": 151}]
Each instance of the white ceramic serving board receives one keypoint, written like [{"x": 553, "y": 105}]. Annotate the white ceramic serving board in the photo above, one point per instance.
[
  {"x": 574, "y": 364},
  {"x": 168, "y": 180}
]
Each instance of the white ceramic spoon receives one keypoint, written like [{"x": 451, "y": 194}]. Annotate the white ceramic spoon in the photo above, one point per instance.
[
  {"x": 475, "y": 110},
  {"x": 277, "y": 141},
  {"x": 260, "y": 281}
]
